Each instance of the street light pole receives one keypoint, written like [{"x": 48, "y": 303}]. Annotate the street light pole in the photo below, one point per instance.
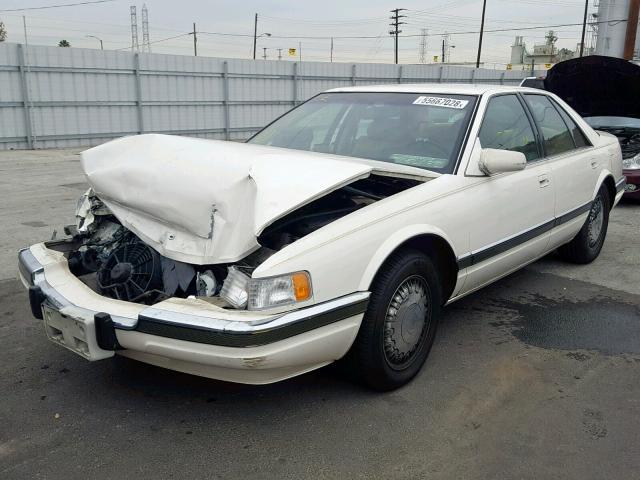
[
  {"x": 195, "y": 40},
  {"x": 255, "y": 35},
  {"x": 100, "y": 40},
  {"x": 255, "y": 41},
  {"x": 331, "y": 56}
]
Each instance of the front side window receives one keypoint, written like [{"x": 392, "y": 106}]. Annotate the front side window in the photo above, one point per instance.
[
  {"x": 506, "y": 127},
  {"x": 555, "y": 134},
  {"x": 416, "y": 129}
]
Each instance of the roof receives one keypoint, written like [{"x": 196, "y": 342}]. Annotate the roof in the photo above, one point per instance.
[{"x": 459, "y": 88}]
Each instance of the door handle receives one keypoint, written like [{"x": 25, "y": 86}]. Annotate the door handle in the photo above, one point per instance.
[{"x": 543, "y": 181}]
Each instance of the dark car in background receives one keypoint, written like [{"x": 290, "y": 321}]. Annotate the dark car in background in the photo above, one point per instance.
[{"x": 605, "y": 91}]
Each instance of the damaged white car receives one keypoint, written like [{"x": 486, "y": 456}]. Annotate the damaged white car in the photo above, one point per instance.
[{"x": 339, "y": 230}]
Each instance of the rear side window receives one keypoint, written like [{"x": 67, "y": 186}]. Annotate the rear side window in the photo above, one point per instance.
[
  {"x": 578, "y": 137},
  {"x": 506, "y": 127},
  {"x": 555, "y": 135}
]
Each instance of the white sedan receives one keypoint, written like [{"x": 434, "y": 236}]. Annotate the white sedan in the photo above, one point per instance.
[{"x": 340, "y": 230}]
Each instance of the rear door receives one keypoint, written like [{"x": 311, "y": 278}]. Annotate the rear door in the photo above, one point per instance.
[{"x": 573, "y": 162}]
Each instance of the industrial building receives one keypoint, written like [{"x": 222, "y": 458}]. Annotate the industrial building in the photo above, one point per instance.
[
  {"x": 608, "y": 33},
  {"x": 543, "y": 56}
]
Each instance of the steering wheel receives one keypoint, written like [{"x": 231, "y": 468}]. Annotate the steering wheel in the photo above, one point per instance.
[{"x": 445, "y": 153}]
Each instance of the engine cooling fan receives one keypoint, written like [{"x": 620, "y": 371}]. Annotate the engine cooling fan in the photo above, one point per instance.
[{"x": 131, "y": 272}]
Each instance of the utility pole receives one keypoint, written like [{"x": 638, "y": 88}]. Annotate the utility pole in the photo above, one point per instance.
[
  {"x": 443, "y": 48},
  {"x": 584, "y": 26},
  {"x": 484, "y": 8},
  {"x": 255, "y": 35},
  {"x": 331, "y": 56},
  {"x": 533, "y": 65},
  {"x": 300, "y": 50},
  {"x": 395, "y": 24},
  {"x": 195, "y": 40},
  {"x": 24, "y": 25},
  {"x": 264, "y": 53},
  {"x": 279, "y": 54},
  {"x": 632, "y": 29}
]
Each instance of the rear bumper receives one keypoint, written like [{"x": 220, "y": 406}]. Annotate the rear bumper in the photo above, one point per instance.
[
  {"x": 632, "y": 187},
  {"x": 191, "y": 335}
]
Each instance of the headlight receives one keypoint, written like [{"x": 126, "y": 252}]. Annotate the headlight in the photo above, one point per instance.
[
  {"x": 278, "y": 291},
  {"x": 632, "y": 163},
  {"x": 242, "y": 291},
  {"x": 234, "y": 288}
]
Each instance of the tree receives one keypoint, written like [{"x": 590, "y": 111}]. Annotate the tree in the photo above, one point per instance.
[
  {"x": 3, "y": 32},
  {"x": 63, "y": 43}
]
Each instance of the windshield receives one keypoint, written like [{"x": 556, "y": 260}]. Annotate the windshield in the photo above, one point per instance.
[{"x": 419, "y": 130}]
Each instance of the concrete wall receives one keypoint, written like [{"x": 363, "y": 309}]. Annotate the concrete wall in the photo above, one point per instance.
[{"x": 64, "y": 97}]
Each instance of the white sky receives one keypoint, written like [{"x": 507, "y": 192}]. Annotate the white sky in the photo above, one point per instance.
[{"x": 326, "y": 18}]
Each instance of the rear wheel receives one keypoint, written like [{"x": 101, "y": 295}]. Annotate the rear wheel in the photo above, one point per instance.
[
  {"x": 586, "y": 246},
  {"x": 399, "y": 325}
]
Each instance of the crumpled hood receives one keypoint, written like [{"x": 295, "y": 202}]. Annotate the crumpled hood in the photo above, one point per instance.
[
  {"x": 597, "y": 86},
  {"x": 206, "y": 201}
]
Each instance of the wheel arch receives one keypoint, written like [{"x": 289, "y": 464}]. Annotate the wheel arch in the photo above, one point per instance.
[
  {"x": 429, "y": 240},
  {"x": 606, "y": 179}
]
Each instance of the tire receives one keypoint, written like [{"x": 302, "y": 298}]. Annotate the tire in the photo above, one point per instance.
[
  {"x": 585, "y": 247},
  {"x": 400, "y": 323}
]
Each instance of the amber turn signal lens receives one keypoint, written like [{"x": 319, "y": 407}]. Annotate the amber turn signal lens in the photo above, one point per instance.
[{"x": 301, "y": 286}]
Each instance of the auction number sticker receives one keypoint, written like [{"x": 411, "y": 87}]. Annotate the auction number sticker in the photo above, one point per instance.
[{"x": 441, "y": 102}]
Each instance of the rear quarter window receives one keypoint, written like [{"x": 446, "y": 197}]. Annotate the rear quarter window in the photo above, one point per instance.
[
  {"x": 578, "y": 137},
  {"x": 556, "y": 136}
]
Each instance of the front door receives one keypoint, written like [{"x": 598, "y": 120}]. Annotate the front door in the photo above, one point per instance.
[{"x": 511, "y": 213}]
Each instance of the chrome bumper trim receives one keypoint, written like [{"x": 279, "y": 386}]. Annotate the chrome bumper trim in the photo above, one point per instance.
[
  {"x": 245, "y": 334},
  {"x": 201, "y": 329},
  {"x": 28, "y": 266}
]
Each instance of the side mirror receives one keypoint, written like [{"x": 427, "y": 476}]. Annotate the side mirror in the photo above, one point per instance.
[{"x": 494, "y": 161}]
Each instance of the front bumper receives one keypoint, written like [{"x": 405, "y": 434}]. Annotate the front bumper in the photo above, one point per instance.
[
  {"x": 188, "y": 335},
  {"x": 632, "y": 187}
]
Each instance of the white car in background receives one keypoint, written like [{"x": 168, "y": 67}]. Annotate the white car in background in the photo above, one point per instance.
[
  {"x": 533, "y": 82},
  {"x": 339, "y": 230}
]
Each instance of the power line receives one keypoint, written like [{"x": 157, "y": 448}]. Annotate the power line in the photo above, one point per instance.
[
  {"x": 469, "y": 32},
  {"x": 91, "y": 2},
  {"x": 323, "y": 23},
  {"x": 161, "y": 40}
]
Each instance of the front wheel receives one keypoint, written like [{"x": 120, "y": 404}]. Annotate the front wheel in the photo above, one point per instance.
[
  {"x": 586, "y": 246},
  {"x": 399, "y": 325}
]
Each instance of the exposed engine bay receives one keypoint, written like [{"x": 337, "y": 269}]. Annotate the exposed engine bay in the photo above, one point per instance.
[
  {"x": 116, "y": 263},
  {"x": 628, "y": 137}
]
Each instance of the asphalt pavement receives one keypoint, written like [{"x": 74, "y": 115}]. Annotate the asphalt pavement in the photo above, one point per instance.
[{"x": 534, "y": 377}]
